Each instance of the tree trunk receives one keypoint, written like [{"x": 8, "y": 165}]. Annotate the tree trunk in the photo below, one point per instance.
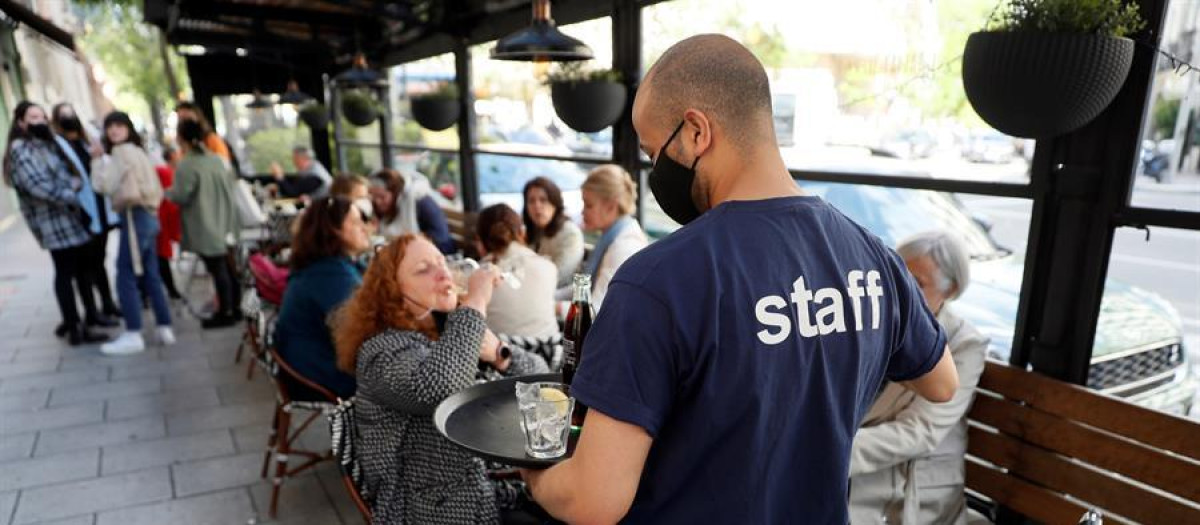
[
  {"x": 172, "y": 81},
  {"x": 156, "y": 117}
]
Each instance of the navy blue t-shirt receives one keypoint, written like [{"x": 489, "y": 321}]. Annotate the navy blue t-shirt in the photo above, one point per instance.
[{"x": 751, "y": 400}]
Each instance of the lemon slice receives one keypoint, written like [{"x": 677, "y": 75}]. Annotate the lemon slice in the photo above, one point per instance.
[{"x": 554, "y": 395}]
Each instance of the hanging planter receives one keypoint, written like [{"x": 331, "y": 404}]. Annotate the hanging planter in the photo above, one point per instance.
[
  {"x": 436, "y": 110},
  {"x": 314, "y": 115},
  {"x": 359, "y": 108},
  {"x": 587, "y": 101},
  {"x": 1049, "y": 67}
]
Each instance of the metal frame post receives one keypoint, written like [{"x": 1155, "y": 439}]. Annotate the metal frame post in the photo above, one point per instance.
[
  {"x": 466, "y": 125},
  {"x": 627, "y": 58}
]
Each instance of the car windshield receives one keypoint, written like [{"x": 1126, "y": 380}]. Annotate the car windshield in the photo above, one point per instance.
[
  {"x": 894, "y": 214},
  {"x": 508, "y": 174}
]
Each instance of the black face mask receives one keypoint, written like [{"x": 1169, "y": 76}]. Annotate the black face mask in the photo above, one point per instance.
[
  {"x": 41, "y": 131},
  {"x": 671, "y": 184},
  {"x": 71, "y": 124}
]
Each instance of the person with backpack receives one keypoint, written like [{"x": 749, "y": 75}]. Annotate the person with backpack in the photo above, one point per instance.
[{"x": 122, "y": 170}]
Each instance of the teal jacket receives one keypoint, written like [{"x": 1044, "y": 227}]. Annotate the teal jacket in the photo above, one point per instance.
[{"x": 302, "y": 330}]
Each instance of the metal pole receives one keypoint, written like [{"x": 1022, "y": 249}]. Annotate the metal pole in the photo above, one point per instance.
[
  {"x": 627, "y": 58},
  {"x": 466, "y": 125},
  {"x": 335, "y": 112},
  {"x": 385, "y": 127}
]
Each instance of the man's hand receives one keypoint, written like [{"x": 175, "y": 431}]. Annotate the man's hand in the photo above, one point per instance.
[
  {"x": 276, "y": 171},
  {"x": 598, "y": 483},
  {"x": 940, "y": 383}
]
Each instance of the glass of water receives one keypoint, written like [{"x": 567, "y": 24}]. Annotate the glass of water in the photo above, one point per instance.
[{"x": 545, "y": 418}]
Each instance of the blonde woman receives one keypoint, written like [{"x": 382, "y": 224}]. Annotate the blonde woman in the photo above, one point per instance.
[{"x": 609, "y": 197}]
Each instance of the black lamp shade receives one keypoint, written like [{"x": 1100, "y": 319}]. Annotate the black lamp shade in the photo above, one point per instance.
[
  {"x": 541, "y": 42},
  {"x": 260, "y": 102},
  {"x": 293, "y": 95}
]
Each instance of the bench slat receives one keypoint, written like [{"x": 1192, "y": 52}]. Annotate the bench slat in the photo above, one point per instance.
[
  {"x": 1156, "y": 429},
  {"x": 1060, "y": 474},
  {"x": 1163, "y": 470},
  {"x": 1028, "y": 499}
]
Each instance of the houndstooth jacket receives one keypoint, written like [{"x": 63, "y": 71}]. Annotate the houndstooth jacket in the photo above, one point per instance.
[
  {"x": 49, "y": 204},
  {"x": 415, "y": 474}
]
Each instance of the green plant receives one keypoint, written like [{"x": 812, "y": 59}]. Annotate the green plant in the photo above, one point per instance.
[
  {"x": 1101, "y": 17},
  {"x": 575, "y": 73},
  {"x": 1166, "y": 111},
  {"x": 359, "y": 101},
  {"x": 444, "y": 90},
  {"x": 273, "y": 145}
]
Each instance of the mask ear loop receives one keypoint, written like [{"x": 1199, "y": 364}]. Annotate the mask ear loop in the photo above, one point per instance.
[
  {"x": 428, "y": 310},
  {"x": 669, "y": 139}
]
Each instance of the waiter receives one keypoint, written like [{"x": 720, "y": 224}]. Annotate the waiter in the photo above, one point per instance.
[{"x": 734, "y": 360}]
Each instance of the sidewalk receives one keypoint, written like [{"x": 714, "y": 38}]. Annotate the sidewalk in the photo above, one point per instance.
[{"x": 173, "y": 435}]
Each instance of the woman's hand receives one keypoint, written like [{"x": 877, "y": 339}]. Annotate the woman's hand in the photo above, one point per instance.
[
  {"x": 490, "y": 352},
  {"x": 96, "y": 150},
  {"x": 479, "y": 287}
]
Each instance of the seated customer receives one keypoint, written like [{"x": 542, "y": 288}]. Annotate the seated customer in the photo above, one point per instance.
[
  {"x": 906, "y": 465},
  {"x": 322, "y": 276},
  {"x": 405, "y": 204},
  {"x": 527, "y": 311},
  {"x": 412, "y": 344},
  {"x": 547, "y": 230},
  {"x": 310, "y": 178}
]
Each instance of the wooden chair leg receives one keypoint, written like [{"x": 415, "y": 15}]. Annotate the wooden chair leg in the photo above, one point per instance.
[
  {"x": 272, "y": 438},
  {"x": 282, "y": 449}
]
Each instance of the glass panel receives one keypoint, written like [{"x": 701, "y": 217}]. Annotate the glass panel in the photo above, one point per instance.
[
  {"x": 1168, "y": 173},
  {"x": 502, "y": 179},
  {"x": 416, "y": 78},
  {"x": 880, "y": 93},
  {"x": 1148, "y": 336},
  {"x": 443, "y": 172},
  {"x": 514, "y": 109}
]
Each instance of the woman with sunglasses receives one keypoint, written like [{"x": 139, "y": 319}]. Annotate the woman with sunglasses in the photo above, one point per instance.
[{"x": 331, "y": 237}]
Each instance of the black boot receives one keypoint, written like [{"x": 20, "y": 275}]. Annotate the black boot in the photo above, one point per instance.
[
  {"x": 79, "y": 334},
  {"x": 220, "y": 320},
  {"x": 102, "y": 321},
  {"x": 61, "y": 330}
]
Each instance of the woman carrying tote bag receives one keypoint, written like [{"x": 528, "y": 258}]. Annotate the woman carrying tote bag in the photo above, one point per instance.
[{"x": 123, "y": 171}]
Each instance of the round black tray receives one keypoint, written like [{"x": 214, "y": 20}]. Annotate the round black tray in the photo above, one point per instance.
[{"x": 484, "y": 419}]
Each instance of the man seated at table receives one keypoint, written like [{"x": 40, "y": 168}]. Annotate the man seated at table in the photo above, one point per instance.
[
  {"x": 906, "y": 465},
  {"x": 310, "y": 178}
]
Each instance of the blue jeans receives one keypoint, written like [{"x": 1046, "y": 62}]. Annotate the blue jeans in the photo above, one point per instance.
[{"x": 146, "y": 226}]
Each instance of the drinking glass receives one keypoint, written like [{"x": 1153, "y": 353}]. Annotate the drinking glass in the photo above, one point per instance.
[{"x": 545, "y": 418}]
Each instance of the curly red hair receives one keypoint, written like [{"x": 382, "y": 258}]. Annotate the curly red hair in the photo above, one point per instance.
[{"x": 376, "y": 306}]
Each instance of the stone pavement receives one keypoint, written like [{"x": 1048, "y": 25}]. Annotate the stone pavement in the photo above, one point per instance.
[{"x": 173, "y": 435}]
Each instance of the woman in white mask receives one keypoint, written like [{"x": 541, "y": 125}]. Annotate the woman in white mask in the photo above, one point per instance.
[{"x": 411, "y": 343}]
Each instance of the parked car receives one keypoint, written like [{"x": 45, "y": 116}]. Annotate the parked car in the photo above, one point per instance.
[
  {"x": 990, "y": 146},
  {"x": 906, "y": 144},
  {"x": 1138, "y": 353}
]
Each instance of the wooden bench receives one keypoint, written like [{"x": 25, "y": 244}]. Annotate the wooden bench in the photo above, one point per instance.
[{"x": 1050, "y": 450}]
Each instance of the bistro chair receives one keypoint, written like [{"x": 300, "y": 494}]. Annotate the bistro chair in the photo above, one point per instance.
[
  {"x": 282, "y": 438},
  {"x": 344, "y": 430}
]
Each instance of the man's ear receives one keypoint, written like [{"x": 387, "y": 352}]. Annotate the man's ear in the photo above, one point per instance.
[{"x": 697, "y": 130}]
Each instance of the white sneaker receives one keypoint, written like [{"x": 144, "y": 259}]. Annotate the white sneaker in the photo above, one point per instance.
[
  {"x": 166, "y": 336},
  {"x": 127, "y": 343}
]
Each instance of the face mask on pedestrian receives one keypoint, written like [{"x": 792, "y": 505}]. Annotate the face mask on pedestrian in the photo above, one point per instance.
[
  {"x": 71, "y": 124},
  {"x": 41, "y": 131},
  {"x": 671, "y": 184}
]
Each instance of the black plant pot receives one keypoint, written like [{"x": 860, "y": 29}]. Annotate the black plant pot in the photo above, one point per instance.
[
  {"x": 435, "y": 113},
  {"x": 359, "y": 113},
  {"x": 588, "y": 106},
  {"x": 1038, "y": 85},
  {"x": 314, "y": 117}
]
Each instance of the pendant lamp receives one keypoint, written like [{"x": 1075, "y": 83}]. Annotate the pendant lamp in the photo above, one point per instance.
[
  {"x": 293, "y": 95},
  {"x": 541, "y": 41}
]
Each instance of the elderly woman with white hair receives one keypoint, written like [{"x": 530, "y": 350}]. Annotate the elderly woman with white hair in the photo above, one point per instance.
[{"x": 906, "y": 464}]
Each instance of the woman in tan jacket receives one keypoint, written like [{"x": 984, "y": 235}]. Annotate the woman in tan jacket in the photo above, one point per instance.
[
  {"x": 906, "y": 464},
  {"x": 122, "y": 170}
]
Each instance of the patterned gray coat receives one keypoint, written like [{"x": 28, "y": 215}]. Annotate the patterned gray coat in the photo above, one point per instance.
[
  {"x": 49, "y": 204},
  {"x": 414, "y": 474}
]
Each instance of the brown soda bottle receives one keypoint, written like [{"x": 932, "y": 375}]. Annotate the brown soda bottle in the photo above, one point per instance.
[{"x": 579, "y": 321}]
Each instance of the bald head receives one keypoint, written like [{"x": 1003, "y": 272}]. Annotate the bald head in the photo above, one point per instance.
[{"x": 718, "y": 76}]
